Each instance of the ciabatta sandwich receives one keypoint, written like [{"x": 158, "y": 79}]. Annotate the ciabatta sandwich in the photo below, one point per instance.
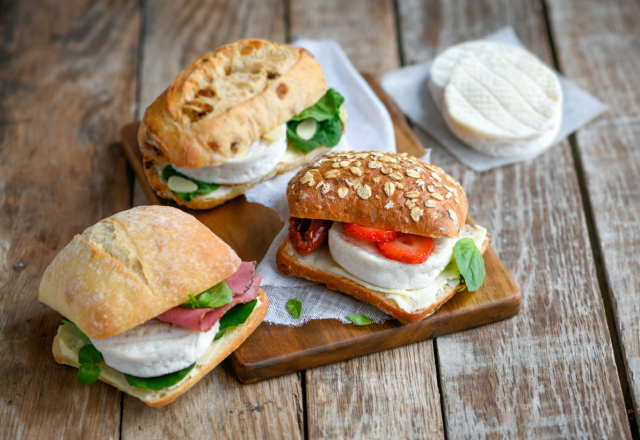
[
  {"x": 237, "y": 117},
  {"x": 384, "y": 228},
  {"x": 151, "y": 301}
]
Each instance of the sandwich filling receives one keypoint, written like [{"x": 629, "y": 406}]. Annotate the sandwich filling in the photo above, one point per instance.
[
  {"x": 320, "y": 125},
  {"x": 160, "y": 352},
  {"x": 412, "y": 286}
]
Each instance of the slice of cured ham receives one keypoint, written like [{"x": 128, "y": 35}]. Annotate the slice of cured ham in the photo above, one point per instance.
[{"x": 204, "y": 318}]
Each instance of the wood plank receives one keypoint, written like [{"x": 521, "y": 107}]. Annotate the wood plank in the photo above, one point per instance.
[
  {"x": 275, "y": 350},
  {"x": 366, "y": 31},
  {"x": 61, "y": 170},
  {"x": 176, "y": 33},
  {"x": 550, "y": 371},
  {"x": 599, "y": 48}
]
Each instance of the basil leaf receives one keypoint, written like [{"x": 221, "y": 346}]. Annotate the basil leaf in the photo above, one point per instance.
[
  {"x": 359, "y": 319},
  {"x": 158, "y": 382},
  {"x": 236, "y": 316},
  {"x": 76, "y": 331},
  {"x": 217, "y": 296},
  {"x": 470, "y": 262},
  {"x": 88, "y": 373},
  {"x": 89, "y": 354},
  {"x": 324, "y": 109},
  {"x": 220, "y": 295},
  {"x": 295, "y": 307},
  {"x": 203, "y": 188}
]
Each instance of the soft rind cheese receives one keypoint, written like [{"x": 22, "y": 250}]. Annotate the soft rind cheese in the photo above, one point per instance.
[
  {"x": 154, "y": 348},
  {"x": 409, "y": 300},
  {"x": 257, "y": 161},
  {"x": 498, "y": 99}
]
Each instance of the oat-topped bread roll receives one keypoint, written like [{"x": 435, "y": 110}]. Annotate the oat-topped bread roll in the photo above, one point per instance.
[
  {"x": 385, "y": 228},
  {"x": 237, "y": 117},
  {"x": 152, "y": 300}
]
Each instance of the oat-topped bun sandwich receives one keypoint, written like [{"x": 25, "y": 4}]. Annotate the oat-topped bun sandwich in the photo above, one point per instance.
[
  {"x": 237, "y": 117},
  {"x": 384, "y": 228},
  {"x": 151, "y": 301}
]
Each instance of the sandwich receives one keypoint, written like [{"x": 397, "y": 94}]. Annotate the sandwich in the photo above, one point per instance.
[
  {"x": 385, "y": 228},
  {"x": 151, "y": 301},
  {"x": 237, "y": 117}
]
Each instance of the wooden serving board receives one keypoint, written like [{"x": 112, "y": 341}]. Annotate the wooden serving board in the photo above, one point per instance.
[{"x": 276, "y": 350}]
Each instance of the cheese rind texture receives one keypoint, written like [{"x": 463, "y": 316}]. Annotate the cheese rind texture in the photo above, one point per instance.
[{"x": 498, "y": 99}]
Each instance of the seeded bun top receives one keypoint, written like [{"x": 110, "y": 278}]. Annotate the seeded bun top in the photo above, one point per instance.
[
  {"x": 227, "y": 99},
  {"x": 382, "y": 190}
]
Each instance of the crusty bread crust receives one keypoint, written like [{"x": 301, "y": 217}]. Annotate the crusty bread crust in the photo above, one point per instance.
[
  {"x": 133, "y": 266},
  {"x": 381, "y": 190},
  {"x": 228, "y": 98},
  {"x": 66, "y": 346},
  {"x": 288, "y": 263}
]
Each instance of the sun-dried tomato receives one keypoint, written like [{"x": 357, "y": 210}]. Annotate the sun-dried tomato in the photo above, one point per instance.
[{"x": 307, "y": 235}]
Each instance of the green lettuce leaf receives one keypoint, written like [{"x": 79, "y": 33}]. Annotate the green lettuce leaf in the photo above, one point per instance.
[
  {"x": 329, "y": 130},
  {"x": 158, "y": 382},
  {"x": 88, "y": 373},
  {"x": 236, "y": 316}
]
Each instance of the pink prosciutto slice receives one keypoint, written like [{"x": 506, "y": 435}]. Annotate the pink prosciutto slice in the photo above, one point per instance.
[
  {"x": 204, "y": 318},
  {"x": 242, "y": 279}
]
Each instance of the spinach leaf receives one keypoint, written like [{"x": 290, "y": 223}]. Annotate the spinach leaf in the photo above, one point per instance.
[
  {"x": 88, "y": 373},
  {"x": 324, "y": 109},
  {"x": 328, "y": 133},
  {"x": 359, "y": 319},
  {"x": 158, "y": 382},
  {"x": 295, "y": 307},
  {"x": 203, "y": 188},
  {"x": 89, "y": 354},
  {"x": 236, "y": 316},
  {"x": 76, "y": 331},
  {"x": 217, "y": 296},
  {"x": 470, "y": 262}
]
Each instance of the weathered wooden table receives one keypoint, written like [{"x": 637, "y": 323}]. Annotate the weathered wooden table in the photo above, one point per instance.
[{"x": 567, "y": 225}]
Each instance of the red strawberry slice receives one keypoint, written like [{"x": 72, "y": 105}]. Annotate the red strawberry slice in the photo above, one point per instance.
[
  {"x": 408, "y": 248},
  {"x": 370, "y": 234}
]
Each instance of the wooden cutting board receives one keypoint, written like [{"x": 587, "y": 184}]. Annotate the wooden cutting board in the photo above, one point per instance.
[{"x": 276, "y": 350}]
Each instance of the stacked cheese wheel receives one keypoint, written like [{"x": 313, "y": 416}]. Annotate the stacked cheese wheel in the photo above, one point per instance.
[{"x": 496, "y": 98}]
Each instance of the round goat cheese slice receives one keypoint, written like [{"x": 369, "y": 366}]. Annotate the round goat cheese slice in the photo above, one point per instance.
[
  {"x": 503, "y": 102},
  {"x": 155, "y": 348},
  {"x": 261, "y": 157},
  {"x": 363, "y": 259}
]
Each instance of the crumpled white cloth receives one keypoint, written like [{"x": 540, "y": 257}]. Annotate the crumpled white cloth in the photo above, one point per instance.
[
  {"x": 369, "y": 127},
  {"x": 408, "y": 89}
]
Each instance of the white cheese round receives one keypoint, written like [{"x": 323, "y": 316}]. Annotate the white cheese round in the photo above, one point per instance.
[
  {"x": 498, "y": 99},
  {"x": 260, "y": 158},
  {"x": 155, "y": 348},
  {"x": 363, "y": 259}
]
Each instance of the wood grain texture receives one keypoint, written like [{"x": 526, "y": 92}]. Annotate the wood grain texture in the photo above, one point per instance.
[
  {"x": 599, "y": 48},
  {"x": 549, "y": 372},
  {"x": 67, "y": 85},
  {"x": 366, "y": 31},
  {"x": 220, "y": 407},
  {"x": 176, "y": 33}
]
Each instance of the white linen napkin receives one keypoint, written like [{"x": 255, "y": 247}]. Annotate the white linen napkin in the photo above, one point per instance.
[
  {"x": 369, "y": 127},
  {"x": 408, "y": 89}
]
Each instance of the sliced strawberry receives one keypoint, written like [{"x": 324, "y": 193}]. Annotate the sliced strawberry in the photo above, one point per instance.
[
  {"x": 370, "y": 234},
  {"x": 408, "y": 248}
]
